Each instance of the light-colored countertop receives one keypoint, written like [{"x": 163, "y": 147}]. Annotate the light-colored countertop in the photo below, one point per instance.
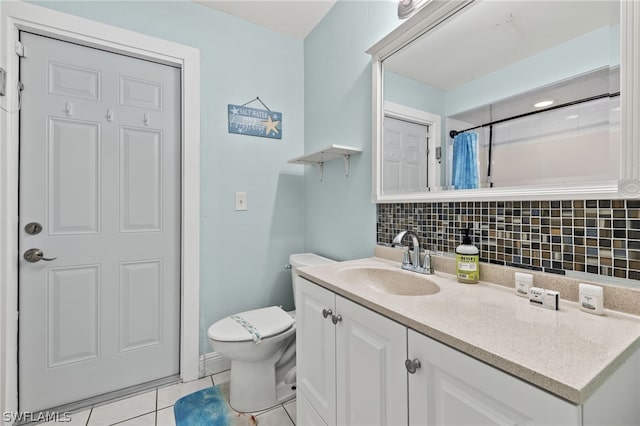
[{"x": 567, "y": 352}]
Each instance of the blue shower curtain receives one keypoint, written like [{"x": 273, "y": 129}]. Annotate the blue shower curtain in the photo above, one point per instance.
[{"x": 465, "y": 161}]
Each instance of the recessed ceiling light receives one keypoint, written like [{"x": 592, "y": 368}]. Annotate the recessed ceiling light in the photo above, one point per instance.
[
  {"x": 543, "y": 104},
  {"x": 572, "y": 117}
]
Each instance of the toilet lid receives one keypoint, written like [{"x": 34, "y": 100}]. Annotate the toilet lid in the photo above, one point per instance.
[{"x": 251, "y": 325}]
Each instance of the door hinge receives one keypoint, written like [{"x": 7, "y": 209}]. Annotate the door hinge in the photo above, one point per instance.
[
  {"x": 19, "y": 49},
  {"x": 3, "y": 82}
]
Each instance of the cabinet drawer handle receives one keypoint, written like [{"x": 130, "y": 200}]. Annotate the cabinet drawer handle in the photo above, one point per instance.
[
  {"x": 327, "y": 312},
  {"x": 336, "y": 319},
  {"x": 412, "y": 366}
]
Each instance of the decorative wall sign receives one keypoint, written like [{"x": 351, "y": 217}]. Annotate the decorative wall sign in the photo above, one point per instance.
[{"x": 255, "y": 122}]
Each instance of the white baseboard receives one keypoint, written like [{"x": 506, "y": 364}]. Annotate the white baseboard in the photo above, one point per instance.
[{"x": 212, "y": 363}]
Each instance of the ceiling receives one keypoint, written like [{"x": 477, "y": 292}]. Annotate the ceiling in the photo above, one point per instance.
[
  {"x": 494, "y": 34},
  {"x": 294, "y": 18}
]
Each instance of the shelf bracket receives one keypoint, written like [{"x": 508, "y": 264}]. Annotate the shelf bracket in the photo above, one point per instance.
[
  {"x": 346, "y": 164},
  {"x": 321, "y": 169}
]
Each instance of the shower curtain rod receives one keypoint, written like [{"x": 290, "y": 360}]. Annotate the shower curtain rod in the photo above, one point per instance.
[{"x": 454, "y": 133}]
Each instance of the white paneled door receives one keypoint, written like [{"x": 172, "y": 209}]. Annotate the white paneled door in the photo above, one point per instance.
[
  {"x": 99, "y": 224},
  {"x": 405, "y": 156}
]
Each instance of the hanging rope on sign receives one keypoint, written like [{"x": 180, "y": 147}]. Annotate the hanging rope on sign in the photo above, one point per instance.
[{"x": 257, "y": 98}]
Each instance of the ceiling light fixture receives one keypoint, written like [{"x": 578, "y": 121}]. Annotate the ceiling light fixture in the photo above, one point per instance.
[
  {"x": 407, "y": 8},
  {"x": 543, "y": 104}
]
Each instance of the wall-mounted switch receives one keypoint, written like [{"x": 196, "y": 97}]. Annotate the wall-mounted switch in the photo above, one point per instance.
[
  {"x": 241, "y": 201},
  {"x": 3, "y": 82}
]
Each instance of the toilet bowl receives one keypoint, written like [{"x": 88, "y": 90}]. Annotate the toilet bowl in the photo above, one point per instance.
[{"x": 261, "y": 346}]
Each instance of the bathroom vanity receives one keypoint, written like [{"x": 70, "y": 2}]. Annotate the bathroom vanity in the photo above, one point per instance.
[{"x": 379, "y": 345}]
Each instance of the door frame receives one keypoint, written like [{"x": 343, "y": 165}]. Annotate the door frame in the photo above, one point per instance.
[{"x": 16, "y": 16}]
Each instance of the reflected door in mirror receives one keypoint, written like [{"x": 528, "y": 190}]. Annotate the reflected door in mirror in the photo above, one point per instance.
[{"x": 405, "y": 156}]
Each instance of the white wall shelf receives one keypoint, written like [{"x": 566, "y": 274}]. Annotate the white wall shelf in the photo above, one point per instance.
[{"x": 332, "y": 152}]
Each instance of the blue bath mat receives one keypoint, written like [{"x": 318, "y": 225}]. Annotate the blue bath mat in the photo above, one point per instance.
[{"x": 210, "y": 407}]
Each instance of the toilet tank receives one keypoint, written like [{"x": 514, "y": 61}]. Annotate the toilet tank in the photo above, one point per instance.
[{"x": 299, "y": 260}]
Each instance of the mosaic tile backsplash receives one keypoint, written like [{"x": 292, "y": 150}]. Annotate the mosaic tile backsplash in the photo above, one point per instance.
[{"x": 595, "y": 236}]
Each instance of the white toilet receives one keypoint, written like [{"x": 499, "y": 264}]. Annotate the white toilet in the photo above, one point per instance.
[{"x": 261, "y": 345}]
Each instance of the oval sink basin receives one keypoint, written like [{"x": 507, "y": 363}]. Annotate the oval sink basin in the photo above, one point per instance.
[{"x": 391, "y": 282}]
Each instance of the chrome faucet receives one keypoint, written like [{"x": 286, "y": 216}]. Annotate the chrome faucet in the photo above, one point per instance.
[{"x": 414, "y": 264}]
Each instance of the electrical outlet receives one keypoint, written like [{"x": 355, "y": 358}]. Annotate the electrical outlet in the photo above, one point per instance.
[{"x": 241, "y": 201}]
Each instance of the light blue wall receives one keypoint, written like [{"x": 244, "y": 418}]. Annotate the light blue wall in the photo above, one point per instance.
[
  {"x": 412, "y": 93},
  {"x": 242, "y": 253},
  {"x": 340, "y": 219}
]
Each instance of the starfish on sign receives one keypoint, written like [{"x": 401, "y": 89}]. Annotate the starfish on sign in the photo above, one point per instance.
[
  {"x": 270, "y": 125},
  {"x": 235, "y": 110}
]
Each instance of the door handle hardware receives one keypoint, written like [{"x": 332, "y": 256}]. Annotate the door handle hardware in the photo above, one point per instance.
[
  {"x": 68, "y": 109},
  {"x": 146, "y": 119},
  {"x": 327, "y": 312},
  {"x": 412, "y": 365},
  {"x": 109, "y": 114},
  {"x": 35, "y": 255},
  {"x": 33, "y": 228},
  {"x": 336, "y": 319}
]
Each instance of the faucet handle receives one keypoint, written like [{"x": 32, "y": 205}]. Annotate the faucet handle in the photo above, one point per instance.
[
  {"x": 406, "y": 258},
  {"x": 427, "y": 262}
]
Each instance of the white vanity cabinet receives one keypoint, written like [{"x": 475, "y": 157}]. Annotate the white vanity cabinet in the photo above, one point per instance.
[
  {"x": 350, "y": 362},
  {"x": 451, "y": 388},
  {"x": 351, "y": 371}
]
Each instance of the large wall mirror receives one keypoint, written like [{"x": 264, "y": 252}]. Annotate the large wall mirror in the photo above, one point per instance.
[{"x": 523, "y": 99}]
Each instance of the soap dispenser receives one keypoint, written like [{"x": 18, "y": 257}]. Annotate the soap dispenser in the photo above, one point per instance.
[{"x": 467, "y": 267}]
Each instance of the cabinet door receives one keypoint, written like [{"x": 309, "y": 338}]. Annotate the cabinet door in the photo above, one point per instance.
[
  {"x": 370, "y": 371},
  {"x": 315, "y": 348},
  {"x": 452, "y": 388},
  {"x": 306, "y": 415},
  {"x": 615, "y": 402}
]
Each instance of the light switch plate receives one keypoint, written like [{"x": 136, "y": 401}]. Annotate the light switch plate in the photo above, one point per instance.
[
  {"x": 3, "y": 82},
  {"x": 241, "y": 201}
]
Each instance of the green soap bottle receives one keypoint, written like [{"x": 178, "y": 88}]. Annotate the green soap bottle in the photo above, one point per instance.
[{"x": 467, "y": 264}]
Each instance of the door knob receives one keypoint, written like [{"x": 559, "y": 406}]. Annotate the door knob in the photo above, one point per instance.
[
  {"x": 412, "y": 365},
  {"x": 326, "y": 312},
  {"x": 336, "y": 319},
  {"x": 35, "y": 255}
]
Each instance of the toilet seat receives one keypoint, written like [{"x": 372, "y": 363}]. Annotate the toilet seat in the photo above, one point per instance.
[{"x": 251, "y": 325}]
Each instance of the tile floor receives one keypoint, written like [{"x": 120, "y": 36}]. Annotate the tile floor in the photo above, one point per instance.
[{"x": 155, "y": 408}]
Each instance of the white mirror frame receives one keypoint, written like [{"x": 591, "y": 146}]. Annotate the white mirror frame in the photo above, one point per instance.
[{"x": 628, "y": 184}]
